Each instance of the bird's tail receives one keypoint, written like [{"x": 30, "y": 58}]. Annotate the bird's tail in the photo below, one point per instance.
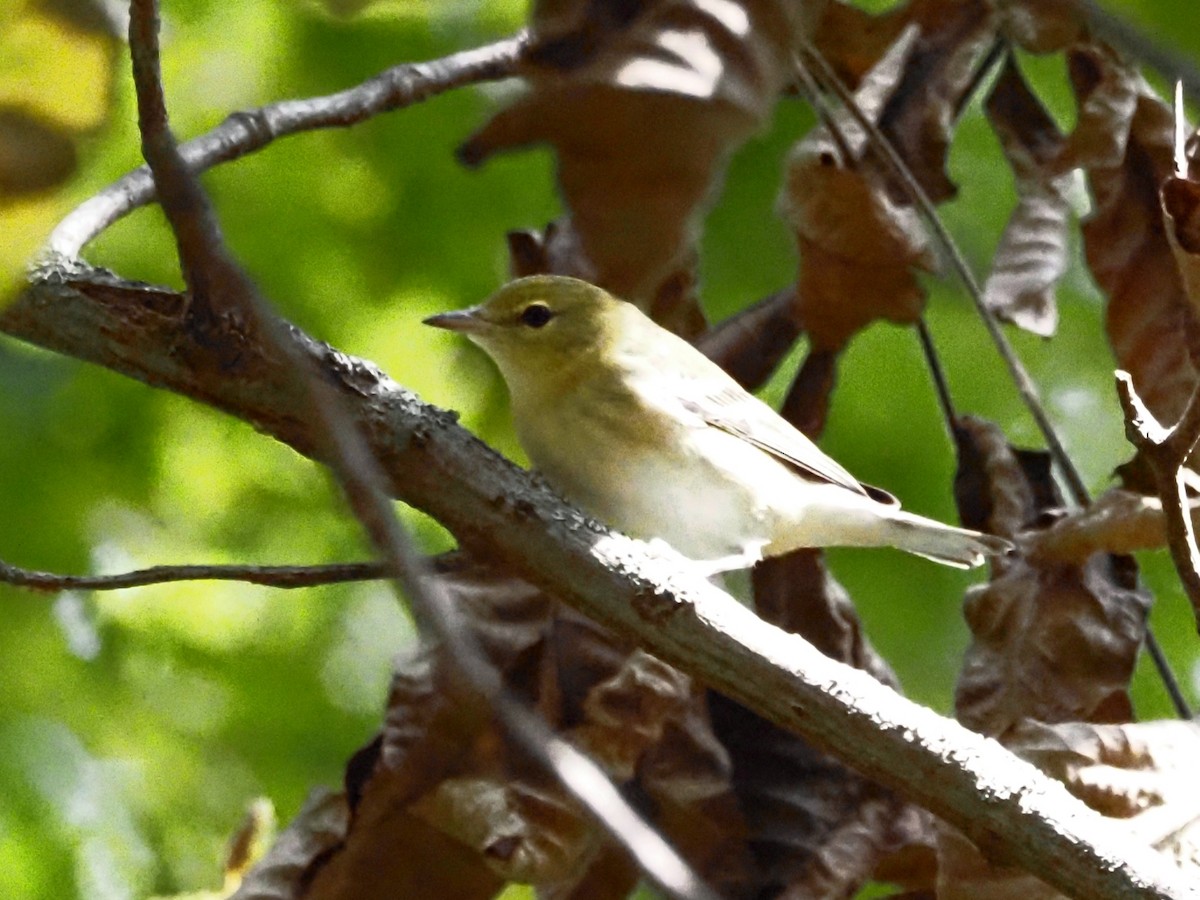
[{"x": 958, "y": 547}]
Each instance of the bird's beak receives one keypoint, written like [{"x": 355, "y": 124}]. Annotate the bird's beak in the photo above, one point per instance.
[{"x": 467, "y": 321}]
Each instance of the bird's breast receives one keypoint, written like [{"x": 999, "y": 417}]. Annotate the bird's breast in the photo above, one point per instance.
[{"x": 651, "y": 475}]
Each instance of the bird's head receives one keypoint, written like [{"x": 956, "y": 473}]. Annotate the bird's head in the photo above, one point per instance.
[{"x": 534, "y": 326}]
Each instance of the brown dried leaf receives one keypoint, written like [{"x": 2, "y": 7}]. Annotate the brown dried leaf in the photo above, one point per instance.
[
  {"x": 444, "y": 778},
  {"x": 1181, "y": 214},
  {"x": 999, "y": 488},
  {"x": 1051, "y": 641},
  {"x": 798, "y": 593},
  {"x": 938, "y": 79},
  {"x": 1041, "y": 26},
  {"x": 687, "y": 774},
  {"x": 816, "y": 828},
  {"x": 750, "y": 344},
  {"x": 436, "y": 738},
  {"x": 627, "y": 713},
  {"x": 525, "y": 834},
  {"x": 1118, "y": 521},
  {"x": 1149, "y": 317},
  {"x": 647, "y": 723},
  {"x": 644, "y": 104},
  {"x": 1106, "y": 93},
  {"x": 1032, "y": 254},
  {"x": 859, "y": 249},
  {"x": 432, "y": 727},
  {"x": 1123, "y": 771},
  {"x": 965, "y": 874},
  {"x": 1140, "y": 774},
  {"x": 853, "y": 40},
  {"x": 392, "y": 853}
]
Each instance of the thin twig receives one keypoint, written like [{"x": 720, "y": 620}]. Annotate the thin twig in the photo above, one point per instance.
[
  {"x": 246, "y": 132},
  {"x": 285, "y": 577},
  {"x": 1166, "y": 450},
  {"x": 201, "y": 247},
  {"x": 938, "y": 373}
]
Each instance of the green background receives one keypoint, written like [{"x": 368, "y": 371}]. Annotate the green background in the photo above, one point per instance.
[{"x": 135, "y": 726}]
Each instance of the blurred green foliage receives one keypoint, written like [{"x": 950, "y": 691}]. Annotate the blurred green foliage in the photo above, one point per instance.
[{"x": 136, "y": 726}]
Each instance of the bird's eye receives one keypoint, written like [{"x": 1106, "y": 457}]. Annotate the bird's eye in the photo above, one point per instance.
[{"x": 535, "y": 315}]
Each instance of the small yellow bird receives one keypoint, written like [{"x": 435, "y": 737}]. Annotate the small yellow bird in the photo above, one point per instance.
[{"x": 642, "y": 431}]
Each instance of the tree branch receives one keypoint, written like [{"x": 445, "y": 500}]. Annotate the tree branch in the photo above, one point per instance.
[
  {"x": 500, "y": 512},
  {"x": 1167, "y": 451},
  {"x": 285, "y": 577},
  {"x": 246, "y": 132}
]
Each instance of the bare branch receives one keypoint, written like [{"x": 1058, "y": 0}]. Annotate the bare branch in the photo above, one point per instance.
[
  {"x": 246, "y": 132},
  {"x": 1167, "y": 450},
  {"x": 286, "y": 577},
  {"x": 502, "y": 513}
]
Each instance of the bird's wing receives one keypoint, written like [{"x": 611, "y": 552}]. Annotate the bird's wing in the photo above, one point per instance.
[
  {"x": 742, "y": 415},
  {"x": 710, "y": 398}
]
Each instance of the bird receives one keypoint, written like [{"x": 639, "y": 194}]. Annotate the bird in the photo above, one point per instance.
[{"x": 640, "y": 430}]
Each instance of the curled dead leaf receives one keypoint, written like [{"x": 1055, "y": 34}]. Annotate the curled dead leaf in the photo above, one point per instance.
[
  {"x": 1032, "y": 254},
  {"x": 523, "y": 833},
  {"x": 1107, "y": 91},
  {"x": 644, "y": 104},
  {"x": 750, "y": 344},
  {"x": 1148, "y": 318},
  {"x": 472, "y": 811},
  {"x": 1052, "y": 641},
  {"x": 952, "y": 51},
  {"x": 1140, "y": 775},
  {"x": 1118, "y": 521},
  {"x": 998, "y": 488},
  {"x": 860, "y": 249},
  {"x": 1181, "y": 214},
  {"x": 1041, "y": 26}
]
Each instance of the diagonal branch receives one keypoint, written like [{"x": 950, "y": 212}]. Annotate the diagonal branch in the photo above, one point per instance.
[{"x": 502, "y": 513}]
